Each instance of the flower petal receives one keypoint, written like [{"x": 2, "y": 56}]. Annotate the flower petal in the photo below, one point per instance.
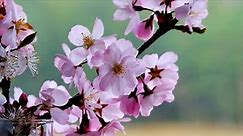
[
  {"x": 98, "y": 29},
  {"x": 76, "y": 34}
]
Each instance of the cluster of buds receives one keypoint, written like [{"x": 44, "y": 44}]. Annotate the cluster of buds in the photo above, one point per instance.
[{"x": 125, "y": 85}]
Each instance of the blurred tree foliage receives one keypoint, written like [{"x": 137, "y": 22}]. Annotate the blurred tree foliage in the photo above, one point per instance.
[{"x": 211, "y": 74}]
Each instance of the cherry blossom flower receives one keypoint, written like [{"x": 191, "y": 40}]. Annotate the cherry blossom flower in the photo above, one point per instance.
[
  {"x": 154, "y": 97},
  {"x": 193, "y": 13},
  {"x": 161, "y": 69},
  {"x": 80, "y": 35},
  {"x": 119, "y": 71},
  {"x": 52, "y": 94},
  {"x": 68, "y": 64},
  {"x": 93, "y": 42}
]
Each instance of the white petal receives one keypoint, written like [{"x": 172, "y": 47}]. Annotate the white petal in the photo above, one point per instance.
[{"x": 76, "y": 34}]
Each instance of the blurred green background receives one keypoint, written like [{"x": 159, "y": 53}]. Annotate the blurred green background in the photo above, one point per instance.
[{"x": 210, "y": 88}]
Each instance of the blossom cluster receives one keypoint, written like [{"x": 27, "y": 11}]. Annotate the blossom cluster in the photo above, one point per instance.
[
  {"x": 125, "y": 85},
  {"x": 16, "y": 41},
  {"x": 191, "y": 12}
]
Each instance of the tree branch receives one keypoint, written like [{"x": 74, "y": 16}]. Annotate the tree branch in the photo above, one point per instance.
[{"x": 167, "y": 26}]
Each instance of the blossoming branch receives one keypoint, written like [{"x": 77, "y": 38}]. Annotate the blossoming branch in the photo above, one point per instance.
[{"x": 124, "y": 86}]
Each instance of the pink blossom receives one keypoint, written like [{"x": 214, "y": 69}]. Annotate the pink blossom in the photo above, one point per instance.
[
  {"x": 93, "y": 42},
  {"x": 80, "y": 35},
  {"x": 193, "y": 13},
  {"x": 52, "y": 94},
  {"x": 161, "y": 69},
  {"x": 16, "y": 23},
  {"x": 68, "y": 64},
  {"x": 154, "y": 97},
  {"x": 119, "y": 71}
]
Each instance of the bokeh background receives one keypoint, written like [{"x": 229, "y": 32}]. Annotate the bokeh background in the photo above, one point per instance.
[{"x": 209, "y": 95}]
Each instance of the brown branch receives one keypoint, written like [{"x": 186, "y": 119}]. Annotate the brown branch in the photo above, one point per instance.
[{"x": 5, "y": 85}]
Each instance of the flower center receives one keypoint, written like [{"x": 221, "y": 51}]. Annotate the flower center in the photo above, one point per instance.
[
  {"x": 155, "y": 72},
  {"x": 21, "y": 25},
  {"x": 88, "y": 41},
  {"x": 118, "y": 69}
]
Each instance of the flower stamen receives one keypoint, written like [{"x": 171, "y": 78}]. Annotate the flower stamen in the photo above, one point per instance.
[
  {"x": 118, "y": 69},
  {"x": 88, "y": 41},
  {"x": 21, "y": 25}
]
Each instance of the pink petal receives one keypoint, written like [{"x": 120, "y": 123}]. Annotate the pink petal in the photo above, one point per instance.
[
  {"x": 32, "y": 101},
  {"x": 142, "y": 32},
  {"x": 106, "y": 81},
  {"x": 182, "y": 12},
  {"x": 111, "y": 112},
  {"x": 150, "y": 61},
  {"x": 167, "y": 58},
  {"x": 134, "y": 21},
  {"x": 98, "y": 29},
  {"x": 60, "y": 96},
  {"x": 59, "y": 116},
  {"x": 121, "y": 3},
  {"x": 62, "y": 128},
  {"x": 121, "y": 14},
  {"x": 67, "y": 69},
  {"x": 9, "y": 38},
  {"x": 78, "y": 55},
  {"x": 129, "y": 106},
  {"x": 66, "y": 49}
]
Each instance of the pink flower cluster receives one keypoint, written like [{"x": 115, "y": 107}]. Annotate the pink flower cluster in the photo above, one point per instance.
[
  {"x": 192, "y": 12},
  {"x": 16, "y": 41},
  {"x": 125, "y": 85}
]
